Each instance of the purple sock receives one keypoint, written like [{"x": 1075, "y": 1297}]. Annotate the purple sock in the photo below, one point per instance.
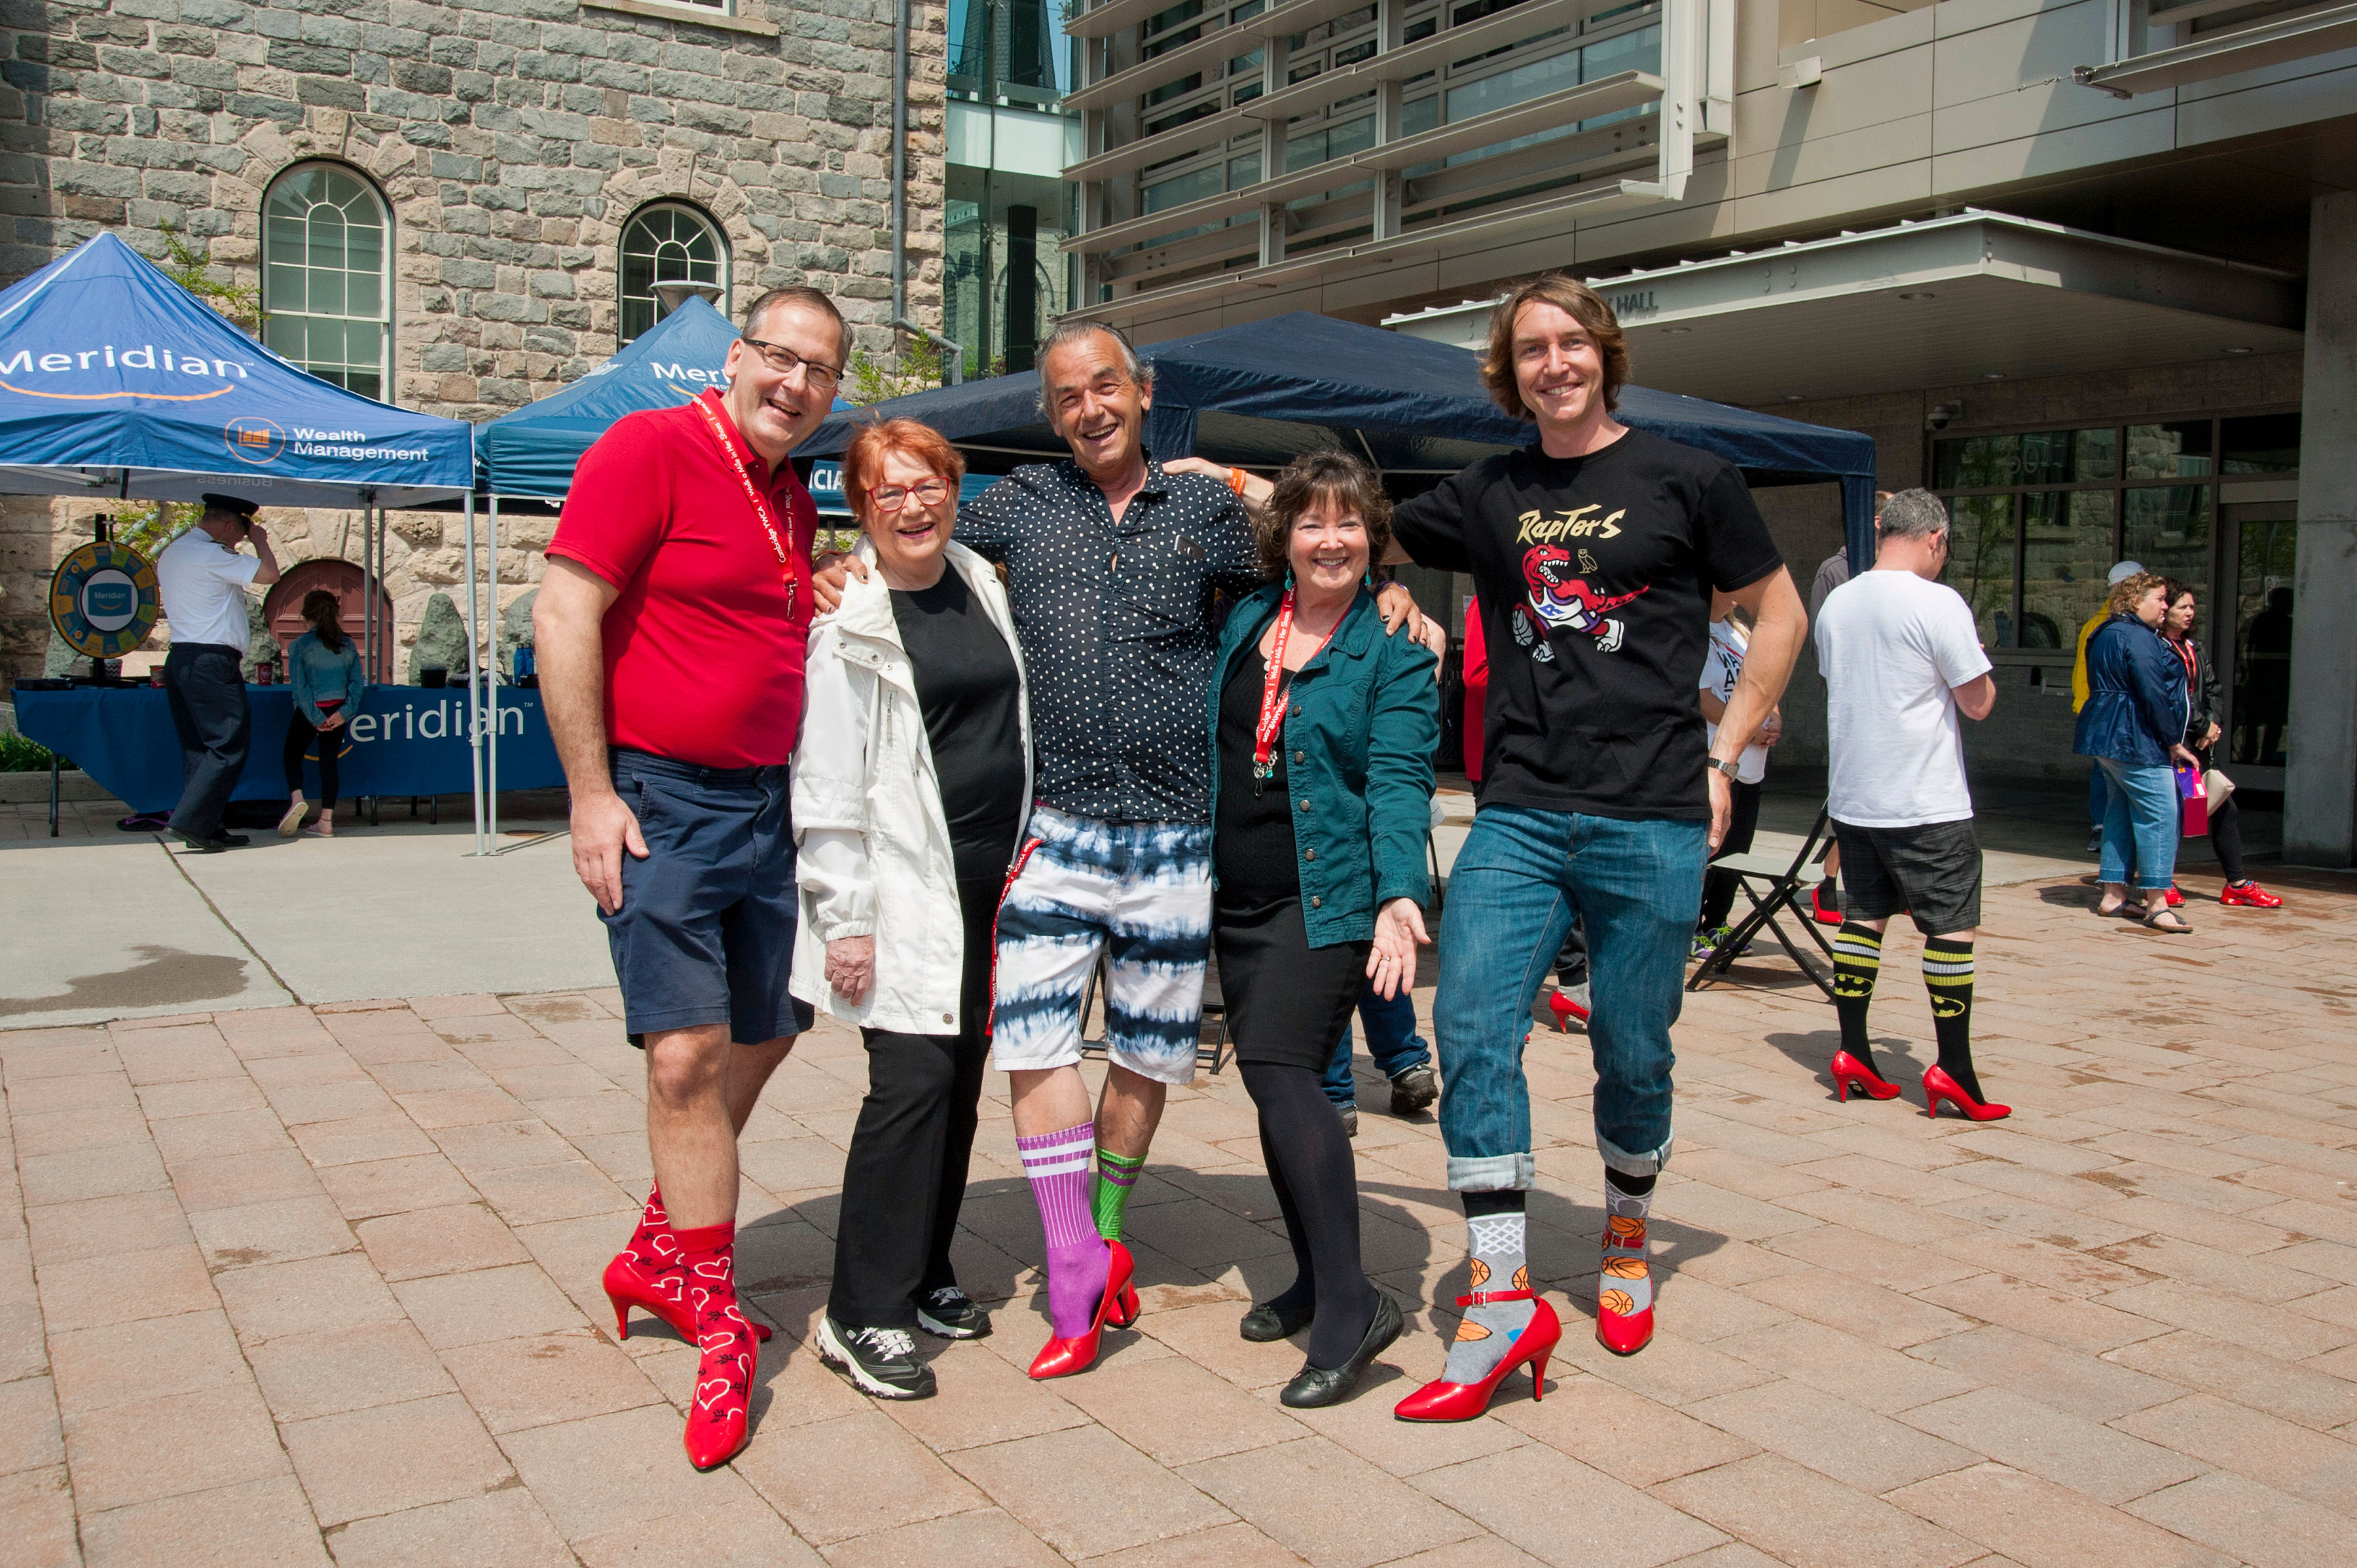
[{"x": 1078, "y": 1258}]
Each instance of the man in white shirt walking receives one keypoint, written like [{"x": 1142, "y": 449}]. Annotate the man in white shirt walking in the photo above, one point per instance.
[
  {"x": 1901, "y": 658},
  {"x": 201, "y": 578}
]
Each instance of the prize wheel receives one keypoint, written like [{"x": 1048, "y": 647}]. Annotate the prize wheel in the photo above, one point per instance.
[{"x": 103, "y": 600}]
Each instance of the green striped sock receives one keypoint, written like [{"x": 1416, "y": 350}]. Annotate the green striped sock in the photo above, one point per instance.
[{"x": 1109, "y": 1195}]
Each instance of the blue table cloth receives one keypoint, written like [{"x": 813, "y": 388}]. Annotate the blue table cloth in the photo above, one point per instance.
[{"x": 405, "y": 740}]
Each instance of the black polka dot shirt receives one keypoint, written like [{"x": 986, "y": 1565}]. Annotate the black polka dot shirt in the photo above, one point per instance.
[{"x": 1116, "y": 628}]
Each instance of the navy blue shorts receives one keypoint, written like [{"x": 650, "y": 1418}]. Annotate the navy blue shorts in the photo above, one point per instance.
[{"x": 706, "y": 934}]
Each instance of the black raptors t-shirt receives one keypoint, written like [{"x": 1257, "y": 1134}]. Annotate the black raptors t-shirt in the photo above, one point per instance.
[{"x": 1595, "y": 576}]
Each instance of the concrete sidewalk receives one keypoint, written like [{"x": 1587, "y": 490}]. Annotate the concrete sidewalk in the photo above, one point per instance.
[{"x": 299, "y": 1285}]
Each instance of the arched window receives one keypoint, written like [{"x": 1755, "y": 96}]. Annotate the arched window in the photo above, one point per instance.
[
  {"x": 327, "y": 276},
  {"x": 668, "y": 244}
]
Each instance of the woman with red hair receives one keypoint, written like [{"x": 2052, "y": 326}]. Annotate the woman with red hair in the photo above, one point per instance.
[{"x": 910, "y": 788}]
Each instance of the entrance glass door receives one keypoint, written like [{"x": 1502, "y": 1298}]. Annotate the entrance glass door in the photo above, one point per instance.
[{"x": 2251, "y": 631}]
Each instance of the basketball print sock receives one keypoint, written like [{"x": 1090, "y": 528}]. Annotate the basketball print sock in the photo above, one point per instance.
[
  {"x": 1857, "y": 960},
  {"x": 1078, "y": 1258},
  {"x": 1494, "y": 1229},
  {"x": 1948, "y": 974},
  {"x": 1109, "y": 1195},
  {"x": 1624, "y": 1284}
]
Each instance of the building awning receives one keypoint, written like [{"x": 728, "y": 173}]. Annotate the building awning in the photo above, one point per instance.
[{"x": 1978, "y": 296}]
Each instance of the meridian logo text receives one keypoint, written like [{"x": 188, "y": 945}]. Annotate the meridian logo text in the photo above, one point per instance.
[{"x": 146, "y": 357}]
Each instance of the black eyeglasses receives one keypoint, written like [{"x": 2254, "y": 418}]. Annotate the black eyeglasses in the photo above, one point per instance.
[{"x": 784, "y": 362}]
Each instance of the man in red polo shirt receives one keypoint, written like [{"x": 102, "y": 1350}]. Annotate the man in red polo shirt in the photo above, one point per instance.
[{"x": 671, "y": 630}]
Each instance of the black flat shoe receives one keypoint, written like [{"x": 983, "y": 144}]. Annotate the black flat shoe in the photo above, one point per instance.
[
  {"x": 1267, "y": 1322},
  {"x": 1314, "y": 1386}
]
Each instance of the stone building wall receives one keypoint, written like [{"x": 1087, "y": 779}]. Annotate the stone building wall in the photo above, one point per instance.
[{"x": 511, "y": 140}]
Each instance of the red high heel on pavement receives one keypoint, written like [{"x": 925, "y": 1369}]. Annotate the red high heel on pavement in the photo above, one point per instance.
[
  {"x": 1567, "y": 1012},
  {"x": 647, "y": 1275},
  {"x": 1125, "y": 1309},
  {"x": 1939, "y": 1086},
  {"x": 719, "y": 1411},
  {"x": 1440, "y": 1401},
  {"x": 1817, "y": 910},
  {"x": 1849, "y": 1073},
  {"x": 1062, "y": 1358}
]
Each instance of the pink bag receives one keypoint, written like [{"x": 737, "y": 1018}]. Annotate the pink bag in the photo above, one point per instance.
[{"x": 2195, "y": 801}]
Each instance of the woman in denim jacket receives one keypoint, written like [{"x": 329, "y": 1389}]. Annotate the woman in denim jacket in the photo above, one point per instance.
[
  {"x": 1322, "y": 734},
  {"x": 2133, "y": 726}
]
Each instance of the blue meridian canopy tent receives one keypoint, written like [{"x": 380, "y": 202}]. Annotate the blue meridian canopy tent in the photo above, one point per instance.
[
  {"x": 116, "y": 382},
  {"x": 1256, "y": 395}
]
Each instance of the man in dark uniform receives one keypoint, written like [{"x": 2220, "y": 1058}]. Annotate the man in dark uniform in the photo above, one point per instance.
[{"x": 201, "y": 576}]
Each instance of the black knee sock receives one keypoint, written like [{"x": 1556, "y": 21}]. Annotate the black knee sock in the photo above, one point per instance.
[
  {"x": 1634, "y": 1185},
  {"x": 1305, "y": 1138},
  {"x": 1948, "y": 976},
  {"x": 2226, "y": 841},
  {"x": 1858, "y": 959}
]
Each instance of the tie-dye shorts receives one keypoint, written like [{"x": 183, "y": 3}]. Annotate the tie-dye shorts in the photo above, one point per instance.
[{"x": 1139, "y": 892}]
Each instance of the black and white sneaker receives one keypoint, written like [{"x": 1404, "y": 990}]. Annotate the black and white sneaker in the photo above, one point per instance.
[
  {"x": 881, "y": 1362},
  {"x": 948, "y": 1314}
]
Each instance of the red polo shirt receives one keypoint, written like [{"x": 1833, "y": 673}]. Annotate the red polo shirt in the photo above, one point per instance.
[{"x": 704, "y": 663}]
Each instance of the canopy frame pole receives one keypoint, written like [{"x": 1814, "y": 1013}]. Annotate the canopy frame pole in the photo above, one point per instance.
[
  {"x": 491, "y": 680},
  {"x": 474, "y": 716}
]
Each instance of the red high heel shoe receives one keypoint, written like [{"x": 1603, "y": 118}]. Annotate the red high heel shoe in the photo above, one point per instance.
[
  {"x": 1125, "y": 1309},
  {"x": 1062, "y": 1358},
  {"x": 1440, "y": 1401},
  {"x": 1939, "y": 1086},
  {"x": 649, "y": 1275},
  {"x": 1567, "y": 1012},
  {"x": 1851, "y": 1073}
]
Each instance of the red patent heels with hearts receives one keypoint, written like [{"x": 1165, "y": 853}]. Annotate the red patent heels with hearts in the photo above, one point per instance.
[
  {"x": 1445, "y": 1401},
  {"x": 1851, "y": 1074},
  {"x": 1061, "y": 1357}
]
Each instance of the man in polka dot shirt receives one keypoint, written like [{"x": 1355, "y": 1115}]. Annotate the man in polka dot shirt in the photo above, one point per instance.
[{"x": 1112, "y": 565}]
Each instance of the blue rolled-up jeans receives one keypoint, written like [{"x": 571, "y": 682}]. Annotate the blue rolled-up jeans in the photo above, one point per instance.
[
  {"x": 1521, "y": 878},
  {"x": 2141, "y": 824},
  {"x": 1392, "y": 1040}
]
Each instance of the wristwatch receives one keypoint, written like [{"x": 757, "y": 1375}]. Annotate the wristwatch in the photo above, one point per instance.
[{"x": 1732, "y": 769}]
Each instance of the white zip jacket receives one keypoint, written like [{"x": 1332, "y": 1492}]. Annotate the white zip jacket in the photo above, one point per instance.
[{"x": 875, "y": 842}]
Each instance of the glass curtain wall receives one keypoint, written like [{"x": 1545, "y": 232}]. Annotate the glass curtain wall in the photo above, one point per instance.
[{"x": 1004, "y": 277}]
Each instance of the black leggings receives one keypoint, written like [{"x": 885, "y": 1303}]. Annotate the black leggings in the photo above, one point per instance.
[
  {"x": 904, "y": 1180},
  {"x": 299, "y": 736},
  {"x": 2226, "y": 831},
  {"x": 1310, "y": 1164},
  {"x": 1718, "y": 887}
]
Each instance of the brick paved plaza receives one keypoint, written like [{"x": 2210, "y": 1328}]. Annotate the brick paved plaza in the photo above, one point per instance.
[{"x": 301, "y": 1285}]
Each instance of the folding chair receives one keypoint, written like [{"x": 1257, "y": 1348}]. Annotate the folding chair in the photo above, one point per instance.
[
  {"x": 1215, "y": 1012},
  {"x": 1774, "y": 884}
]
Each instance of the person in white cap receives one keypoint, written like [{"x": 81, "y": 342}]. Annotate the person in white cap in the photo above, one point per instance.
[
  {"x": 201, "y": 578},
  {"x": 2096, "y": 789}
]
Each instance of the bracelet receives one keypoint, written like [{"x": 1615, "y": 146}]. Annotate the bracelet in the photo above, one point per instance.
[{"x": 1236, "y": 479}]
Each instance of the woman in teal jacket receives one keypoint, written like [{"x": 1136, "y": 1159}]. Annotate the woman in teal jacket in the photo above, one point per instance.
[
  {"x": 1322, "y": 734},
  {"x": 324, "y": 670}
]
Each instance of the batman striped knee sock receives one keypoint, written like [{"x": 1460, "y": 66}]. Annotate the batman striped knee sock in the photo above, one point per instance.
[
  {"x": 1858, "y": 959},
  {"x": 1948, "y": 974}
]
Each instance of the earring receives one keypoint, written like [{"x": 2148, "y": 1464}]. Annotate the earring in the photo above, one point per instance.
[{"x": 1289, "y": 579}]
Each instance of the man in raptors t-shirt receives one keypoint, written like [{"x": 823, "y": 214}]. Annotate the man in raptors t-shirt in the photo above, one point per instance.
[{"x": 1594, "y": 551}]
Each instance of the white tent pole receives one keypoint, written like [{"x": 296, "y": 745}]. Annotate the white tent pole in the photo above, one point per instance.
[
  {"x": 491, "y": 686},
  {"x": 474, "y": 724}
]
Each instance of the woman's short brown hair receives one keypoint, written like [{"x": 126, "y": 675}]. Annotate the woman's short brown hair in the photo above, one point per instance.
[
  {"x": 1575, "y": 299},
  {"x": 1336, "y": 479},
  {"x": 2129, "y": 589},
  {"x": 863, "y": 460}
]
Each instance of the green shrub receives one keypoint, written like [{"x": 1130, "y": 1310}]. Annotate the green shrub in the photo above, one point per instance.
[{"x": 19, "y": 755}]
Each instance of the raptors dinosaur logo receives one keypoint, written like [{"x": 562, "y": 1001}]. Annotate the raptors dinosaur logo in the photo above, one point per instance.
[{"x": 1559, "y": 599}]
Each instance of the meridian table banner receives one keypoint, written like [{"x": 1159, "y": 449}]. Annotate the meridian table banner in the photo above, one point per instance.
[{"x": 405, "y": 740}]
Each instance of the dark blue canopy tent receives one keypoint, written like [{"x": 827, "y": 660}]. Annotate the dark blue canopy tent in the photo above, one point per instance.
[
  {"x": 1257, "y": 395},
  {"x": 116, "y": 381}
]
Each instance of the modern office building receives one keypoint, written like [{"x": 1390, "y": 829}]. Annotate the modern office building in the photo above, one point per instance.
[{"x": 2086, "y": 269}]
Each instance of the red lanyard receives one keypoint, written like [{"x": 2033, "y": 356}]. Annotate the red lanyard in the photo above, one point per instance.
[
  {"x": 1272, "y": 703},
  {"x": 752, "y": 494},
  {"x": 2185, "y": 656}
]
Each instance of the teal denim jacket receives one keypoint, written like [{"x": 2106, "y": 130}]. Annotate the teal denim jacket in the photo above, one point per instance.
[{"x": 1361, "y": 721}]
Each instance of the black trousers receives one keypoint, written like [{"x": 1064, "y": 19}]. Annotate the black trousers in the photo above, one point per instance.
[
  {"x": 206, "y": 688},
  {"x": 299, "y": 736},
  {"x": 904, "y": 1180},
  {"x": 1719, "y": 888}
]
